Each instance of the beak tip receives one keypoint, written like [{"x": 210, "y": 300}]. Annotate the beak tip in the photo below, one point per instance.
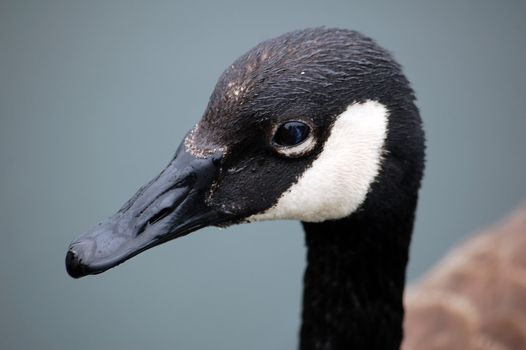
[{"x": 74, "y": 265}]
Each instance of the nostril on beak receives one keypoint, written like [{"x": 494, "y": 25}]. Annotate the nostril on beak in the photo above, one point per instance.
[{"x": 74, "y": 265}]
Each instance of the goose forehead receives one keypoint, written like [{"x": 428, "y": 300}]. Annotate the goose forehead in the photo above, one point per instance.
[
  {"x": 314, "y": 74},
  {"x": 298, "y": 67}
]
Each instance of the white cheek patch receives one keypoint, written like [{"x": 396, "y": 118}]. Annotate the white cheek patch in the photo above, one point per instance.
[{"x": 337, "y": 182}]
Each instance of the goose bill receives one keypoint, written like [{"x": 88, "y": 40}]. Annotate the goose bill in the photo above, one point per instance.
[{"x": 171, "y": 205}]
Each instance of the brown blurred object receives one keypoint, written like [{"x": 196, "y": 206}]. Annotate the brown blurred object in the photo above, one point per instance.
[{"x": 476, "y": 297}]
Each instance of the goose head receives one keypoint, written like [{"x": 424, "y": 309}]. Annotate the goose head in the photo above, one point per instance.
[{"x": 314, "y": 125}]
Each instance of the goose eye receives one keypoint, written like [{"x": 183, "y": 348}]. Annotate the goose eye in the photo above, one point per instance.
[{"x": 291, "y": 133}]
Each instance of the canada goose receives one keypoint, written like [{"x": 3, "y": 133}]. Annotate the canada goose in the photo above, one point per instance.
[
  {"x": 317, "y": 125},
  {"x": 475, "y": 298}
]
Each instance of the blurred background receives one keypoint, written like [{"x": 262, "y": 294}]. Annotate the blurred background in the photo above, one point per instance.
[{"x": 95, "y": 96}]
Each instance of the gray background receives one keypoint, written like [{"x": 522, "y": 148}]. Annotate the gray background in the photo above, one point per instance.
[{"x": 96, "y": 95}]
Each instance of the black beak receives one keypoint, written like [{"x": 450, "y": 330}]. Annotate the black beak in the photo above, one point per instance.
[{"x": 170, "y": 206}]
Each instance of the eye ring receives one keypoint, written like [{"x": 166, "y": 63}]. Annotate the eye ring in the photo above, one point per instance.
[{"x": 293, "y": 138}]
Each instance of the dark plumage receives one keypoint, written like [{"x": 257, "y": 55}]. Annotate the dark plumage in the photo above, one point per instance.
[
  {"x": 266, "y": 86},
  {"x": 229, "y": 169},
  {"x": 356, "y": 265}
]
